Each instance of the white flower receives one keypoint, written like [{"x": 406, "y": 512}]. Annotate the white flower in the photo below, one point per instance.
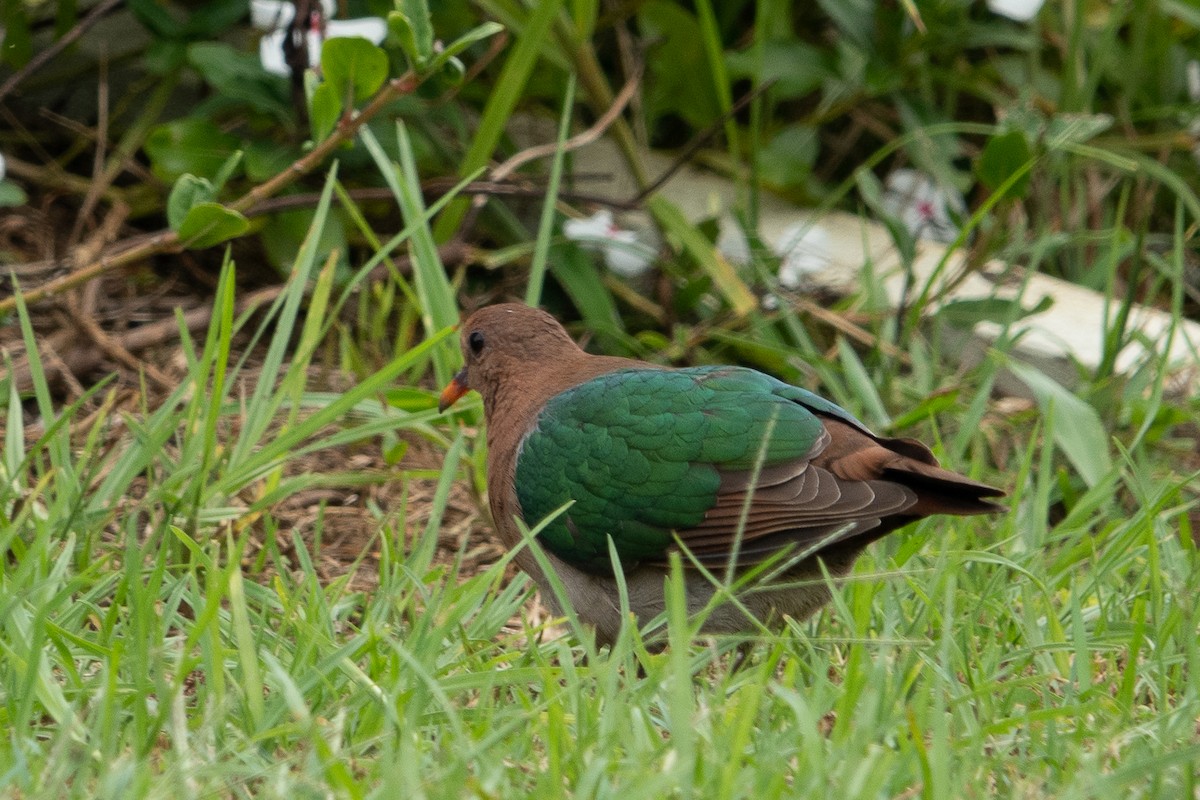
[
  {"x": 269, "y": 15},
  {"x": 623, "y": 253},
  {"x": 922, "y": 206},
  {"x": 803, "y": 249},
  {"x": 276, "y": 17},
  {"x": 270, "y": 51},
  {"x": 1020, "y": 10},
  {"x": 373, "y": 29}
]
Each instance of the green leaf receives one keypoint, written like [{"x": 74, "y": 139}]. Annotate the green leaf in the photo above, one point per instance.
[
  {"x": 407, "y": 398},
  {"x": 189, "y": 145},
  {"x": 208, "y": 224},
  {"x": 452, "y": 70},
  {"x": 209, "y": 19},
  {"x": 187, "y": 21},
  {"x": 681, "y": 79},
  {"x": 158, "y": 20},
  {"x": 284, "y": 233},
  {"x": 12, "y": 195},
  {"x": 393, "y": 454},
  {"x": 854, "y": 19},
  {"x": 1075, "y": 425},
  {"x": 265, "y": 159},
  {"x": 861, "y": 386},
  {"x": 188, "y": 192},
  {"x": 18, "y": 40},
  {"x": 439, "y": 306},
  {"x": 574, "y": 272},
  {"x": 1065, "y": 129},
  {"x": 227, "y": 170},
  {"x": 447, "y": 56},
  {"x": 353, "y": 65},
  {"x": 240, "y": 76},
  {"x": 164, "y": 57},
  {"x": 789, "y": 157},
  {"x": 928, "y": 408},
  {"x": 324, "y": 109},
  {"x": 966, "y": 313},
  {"x": 1004, "y": 156},
  {"x": 414, "y": 29},
  {"x": 793, "y": 68}
]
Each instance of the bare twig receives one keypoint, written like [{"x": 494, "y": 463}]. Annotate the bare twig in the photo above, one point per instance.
[
  {"x": 161, "y": 242},
  {"x": 54, "y": 364},
  {"x": 841, "y": 323},
  {"x": 54, "y": 177},
  {"x": 392, "y": 90},
  {"x": 104, "y": 234},
  {"x": 503, "y": 170},
  {"x": 194, "y": 319},
  {"x": 452, "y": 253},
  {"x": 99, "y": 184},
  {"x": 495, "y": 48},
  {"x": 141, "y": 172},
  {"x": 578, "y": 140},
  {"x": 112, "y": 346},
  {"x": 633, "y": 60}
]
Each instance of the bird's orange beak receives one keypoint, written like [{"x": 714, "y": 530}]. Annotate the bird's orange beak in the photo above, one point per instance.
[{"x": 455, "y": 389}]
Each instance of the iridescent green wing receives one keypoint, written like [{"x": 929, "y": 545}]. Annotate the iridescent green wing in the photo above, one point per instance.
[{"x": 644, "y": 453}]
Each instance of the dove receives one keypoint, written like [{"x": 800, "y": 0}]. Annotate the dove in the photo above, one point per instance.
[{"x": 727, "y": 466}]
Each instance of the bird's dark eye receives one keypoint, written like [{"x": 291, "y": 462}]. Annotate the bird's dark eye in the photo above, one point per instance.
[{"x": 475, "y": 341}]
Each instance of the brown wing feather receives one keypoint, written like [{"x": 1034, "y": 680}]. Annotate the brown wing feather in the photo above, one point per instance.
[
  {"x": 834, "y": 509},
  {"x": 855, "y": 455},
  {"x": 849, "y": 484}
]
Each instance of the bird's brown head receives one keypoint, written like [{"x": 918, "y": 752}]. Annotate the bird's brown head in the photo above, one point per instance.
[{"x": 503, "y": 341}]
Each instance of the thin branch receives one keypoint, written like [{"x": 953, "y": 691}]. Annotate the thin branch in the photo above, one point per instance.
[
  {"x": 578, "y": 140},
  {"x": 100, "y": 180},
  {"x": 846, "y": 326},
  {"x": 503, "y": 170},
  {"x": 344, "y": 132},
  {"x": 112, "y": 347}
]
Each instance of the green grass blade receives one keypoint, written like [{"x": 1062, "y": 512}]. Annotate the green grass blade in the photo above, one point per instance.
[
  {"x": 537, "y": 269},
  {"x": 501, "y": 103}
]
